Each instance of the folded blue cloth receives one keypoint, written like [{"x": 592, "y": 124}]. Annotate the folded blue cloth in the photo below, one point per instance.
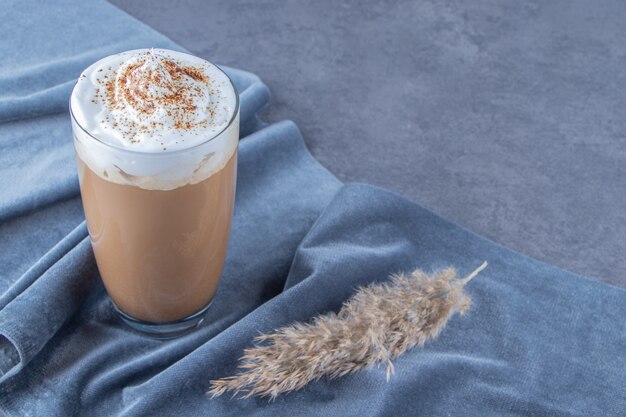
[{"x": 538, "y": 340}]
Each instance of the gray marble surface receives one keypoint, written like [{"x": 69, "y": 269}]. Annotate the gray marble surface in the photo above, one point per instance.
[{"x": 507, "y": 117}]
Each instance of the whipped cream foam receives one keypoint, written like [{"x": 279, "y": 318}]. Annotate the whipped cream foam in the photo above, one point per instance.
[{"x": 154, "y": 118}]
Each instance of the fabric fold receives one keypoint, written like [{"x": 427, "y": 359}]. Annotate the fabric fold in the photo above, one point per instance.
[{"x": 37, "y": 313}]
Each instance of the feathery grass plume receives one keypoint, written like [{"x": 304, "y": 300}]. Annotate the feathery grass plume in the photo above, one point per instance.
[{"x": 376, "y": 325}]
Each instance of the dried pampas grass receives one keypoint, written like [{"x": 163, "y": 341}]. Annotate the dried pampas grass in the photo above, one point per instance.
[{"x": 376, "y": 325}]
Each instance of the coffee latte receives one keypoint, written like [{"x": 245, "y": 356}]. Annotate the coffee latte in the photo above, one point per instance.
[{"x": 156, "y": 134}]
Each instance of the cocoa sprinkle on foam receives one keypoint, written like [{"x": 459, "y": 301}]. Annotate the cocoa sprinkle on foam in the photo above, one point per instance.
[{"x": 134, "y": 87}]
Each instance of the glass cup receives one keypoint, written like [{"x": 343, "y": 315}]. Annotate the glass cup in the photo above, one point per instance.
[{"x": 160, "y": 243}]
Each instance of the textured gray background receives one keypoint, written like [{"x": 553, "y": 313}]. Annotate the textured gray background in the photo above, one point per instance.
[{"x": 508, "y": 117}]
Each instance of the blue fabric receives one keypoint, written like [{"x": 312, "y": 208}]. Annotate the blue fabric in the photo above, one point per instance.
[{"x": 538, "y": 340}]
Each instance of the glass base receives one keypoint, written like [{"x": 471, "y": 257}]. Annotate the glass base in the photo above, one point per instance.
[{"x": 165, "y": 330}]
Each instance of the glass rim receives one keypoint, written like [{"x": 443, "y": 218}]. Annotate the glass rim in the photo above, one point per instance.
[{"x": 175, "y": 151}]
